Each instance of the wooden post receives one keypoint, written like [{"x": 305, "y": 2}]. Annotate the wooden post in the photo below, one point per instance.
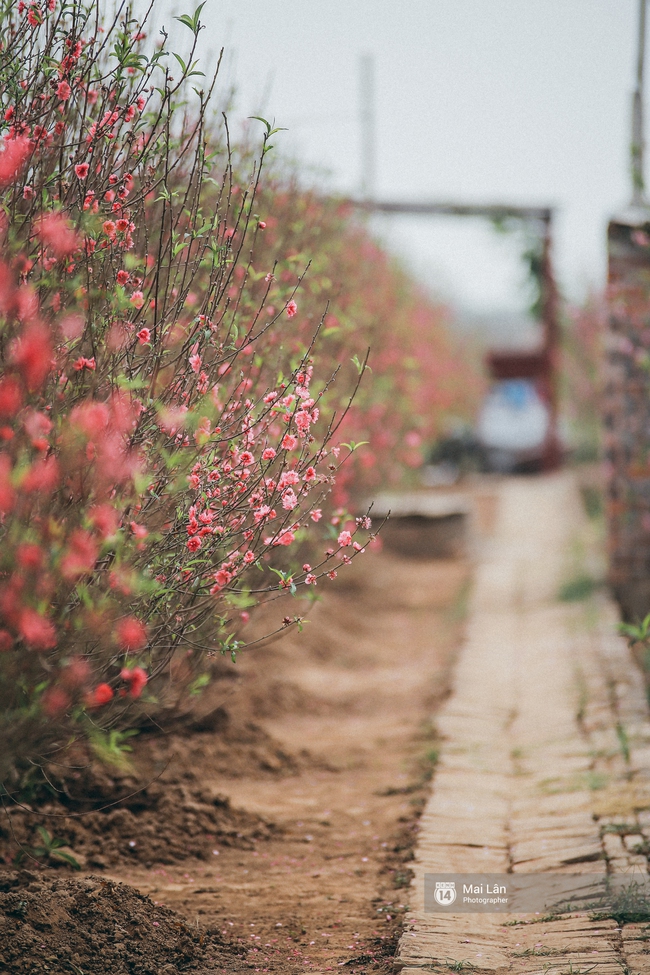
[{"x": 551, "y": 350}]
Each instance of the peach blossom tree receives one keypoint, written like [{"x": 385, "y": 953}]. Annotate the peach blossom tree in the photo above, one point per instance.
[{"x": 163, "y": 448}]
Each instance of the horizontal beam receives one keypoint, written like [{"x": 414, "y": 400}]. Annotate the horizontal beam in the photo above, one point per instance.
[{"x": 493, "y": 211}]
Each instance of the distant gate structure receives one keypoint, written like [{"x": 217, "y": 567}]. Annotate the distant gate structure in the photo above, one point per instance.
[{"x": 541, "y": 364}]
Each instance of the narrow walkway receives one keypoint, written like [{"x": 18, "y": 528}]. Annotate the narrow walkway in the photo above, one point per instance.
[{"x": 545, "y": 760}]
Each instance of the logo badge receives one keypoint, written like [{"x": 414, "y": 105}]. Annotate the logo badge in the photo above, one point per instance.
[{"x": 445, "y": 892}]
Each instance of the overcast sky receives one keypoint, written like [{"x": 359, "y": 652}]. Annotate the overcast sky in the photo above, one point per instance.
[{"x": 524, "y": 101}]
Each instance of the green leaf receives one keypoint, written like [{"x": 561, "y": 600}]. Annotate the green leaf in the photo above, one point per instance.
[
  {"x": 179, "y": 58},
  {"x": 125, "y": 383},
  {"x": 352, "y": 446},
  {"x": 264, "y": 122},
  {"x": 199, "y": 683},
  {"x": 68, "y": 858},
  {"x": 45, "y": 836},
  {"x": 192, "y": 22}
]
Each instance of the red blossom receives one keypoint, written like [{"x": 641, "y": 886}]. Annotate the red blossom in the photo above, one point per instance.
[
  {"x": 80, "y": 556},
  {"x": 102, "y": 694},
  {"x": 30, "y": 556},
  {"x": 55, "y": 701},
  {"x": 11, "y": 396},
  {"x": 222, "y": 577},
  {"x": 172, "y": 419},
  {"x": 144, "y": 336},
  {"x": 292, "y": 309},
  {"x": 7, "y": 289},
  {"x": 37, "y": 631},
  {"x": 42, "y": 477},
  {"x": 90, "y": 417},
  {"x": 284, "y": 538},
  {"x": 289, "y": 500},
  {"x": 137, "y": 679},
  {"x": 104, "y": 519},
  {"x": 27, "y": 303},
  {"x": 287, "y": 479},
  {"x": 303, "y": 421},
  {"x": 32, "y": 354},
  {"x": 34, "y": 16},
  {"x": 139, "y": 531},
  {"x": 76, "y": 673},
  {"x": 7, "y": 492},
  {"x": 83, "y": 363},
  {"x": 38, "y": 426},
  {"x": 124, "y": 412},
  {"x": 13, "y": 158},
  {"x": 81, "y": 170},
  {"x": 57, "y": 233},
  {"x": 131, "y": 634}
]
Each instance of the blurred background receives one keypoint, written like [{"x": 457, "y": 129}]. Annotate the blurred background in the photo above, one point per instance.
[
  {"x": 473, "y": 102},
  {"x": 506, "y": 100}
]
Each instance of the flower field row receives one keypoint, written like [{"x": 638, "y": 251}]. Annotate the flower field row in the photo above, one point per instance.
[{"x": 184, "y": 373}]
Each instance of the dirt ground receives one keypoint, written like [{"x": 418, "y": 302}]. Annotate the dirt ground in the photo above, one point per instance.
[{"x": 279, "y": 820}]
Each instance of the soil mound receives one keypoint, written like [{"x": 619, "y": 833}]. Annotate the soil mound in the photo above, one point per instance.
[
  {"x": 94, "y": 925},
  {"x": 158, "y": 808},
  {"x": 181, "y": 823}
]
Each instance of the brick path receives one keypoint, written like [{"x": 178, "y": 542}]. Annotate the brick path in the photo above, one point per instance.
[{"x": 545, "y": 762}]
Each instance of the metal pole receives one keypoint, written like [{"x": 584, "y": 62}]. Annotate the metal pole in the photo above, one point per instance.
[
  {"x": 367, "y": 119},
  {"x": 638, "y": 144}
]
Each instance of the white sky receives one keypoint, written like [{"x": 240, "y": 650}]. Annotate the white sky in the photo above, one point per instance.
[{"x": 524, "y": 101}]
